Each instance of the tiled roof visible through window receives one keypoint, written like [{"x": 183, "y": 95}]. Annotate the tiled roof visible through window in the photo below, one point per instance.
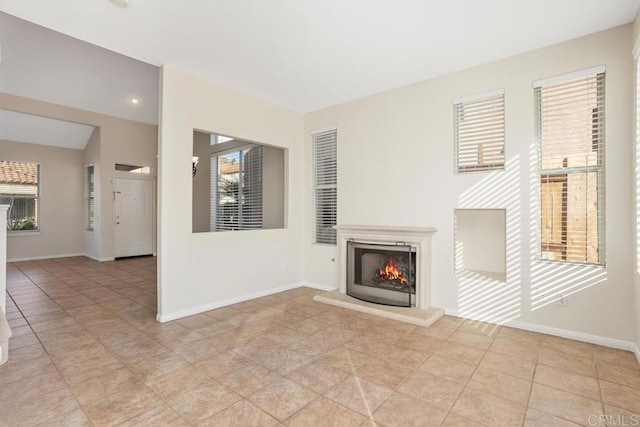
[{"x": 18, "y": 173}]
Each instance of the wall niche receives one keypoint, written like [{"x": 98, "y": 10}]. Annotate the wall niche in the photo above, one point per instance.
[{"x": 480, "y": 243}]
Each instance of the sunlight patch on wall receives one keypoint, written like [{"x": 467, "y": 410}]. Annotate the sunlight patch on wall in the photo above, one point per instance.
[
  {"x": 552, "y": 280},
  {"x": 481, "y": 296}
]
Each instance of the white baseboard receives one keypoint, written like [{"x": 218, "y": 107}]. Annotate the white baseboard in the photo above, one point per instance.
[
  {"x": 319, "y": 287},
  {"x": 98, "y": 259},
  {"x": 218, "y": 304},
  {"x": 564, "y": 333},
  {"x": 35, "y": 258}
]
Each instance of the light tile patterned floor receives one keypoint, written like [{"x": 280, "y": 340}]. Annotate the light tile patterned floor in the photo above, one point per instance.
[{"x": 87, "y": 351}]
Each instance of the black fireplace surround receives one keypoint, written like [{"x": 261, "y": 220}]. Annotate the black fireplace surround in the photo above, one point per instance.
[{"x": 381, "y": 273}]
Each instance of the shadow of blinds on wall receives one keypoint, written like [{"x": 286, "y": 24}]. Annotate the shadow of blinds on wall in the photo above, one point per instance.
[
  {"x": 325, "y": 181},
  {"x": 570, "y": 130}
]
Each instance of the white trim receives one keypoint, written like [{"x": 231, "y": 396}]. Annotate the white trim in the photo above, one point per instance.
[
  {"x": 569, "y": 76},
  {"x": 99, "y": 259},
  {"x": 322, "y": 130},
  {"x": 35, "y": 258},
  {"x": 580, "y": 336},
  {"x": 327, "y": 288},
  {"x": 564, "y": 333},
  {"x": 477, "y": 96},
  {"x": 15, "y": 233},
  {"x": 636, "y": 48},
  {"x": 218, "y": 304}
]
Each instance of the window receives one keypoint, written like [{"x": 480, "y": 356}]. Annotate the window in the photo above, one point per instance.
[
  {"x": 570, "y": 122},
  {"x": 133, "y": 168},
  {"x": 19, "y": 188},
  {"x": 220, "y": 139},
  {"x": 240, "y": 184},
  {"x": 325, "y": 179},
  {"x": 479, "y": 132},
  {"x": 236, "y": 185},
  {"x": 91, "y": 194}
]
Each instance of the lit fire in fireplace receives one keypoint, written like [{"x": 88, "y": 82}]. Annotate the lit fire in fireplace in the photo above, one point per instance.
[{"x": 391, "y": 273}]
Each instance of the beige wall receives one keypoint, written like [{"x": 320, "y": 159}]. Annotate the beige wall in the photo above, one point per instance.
[
  {"x": 121, "y": 141},
  {"x": 198, "y": 271},
  {"x": 61, "y": 201},
  {"x": 400, "y": 144},
  {"x": 636, "y": 26},
  {"x": 200, "y": 204},
  {"x": 273, "y": 187},
  {"x": 636, "y": 40}
]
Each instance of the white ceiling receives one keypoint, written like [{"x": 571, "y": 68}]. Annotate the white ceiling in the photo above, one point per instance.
[
  {"x": 309, "y": 54},
  {"x": 42, "y": 64},
  {"x": 31, "y": 129}
]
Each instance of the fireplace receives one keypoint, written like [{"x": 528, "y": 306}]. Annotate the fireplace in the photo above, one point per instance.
[
  {"x": 382, "y": 273},
  {"x": 388, "y": 265},
  {"x": 381, "y": 237}
]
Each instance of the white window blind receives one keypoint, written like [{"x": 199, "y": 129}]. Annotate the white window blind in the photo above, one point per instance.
[
  {"x": 236, "y": 190},
  {"x": 325, "y": 185},
  {"x": 570, "y": 130},
  {"x": 479, "y": 132},
  {"x": 90, "y": 198}
]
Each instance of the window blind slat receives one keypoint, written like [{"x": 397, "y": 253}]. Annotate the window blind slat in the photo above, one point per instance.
[
  {"x": 479, "y": 134},
  {"x": 325, "y": 185},
  {"x": 570, "y": 139},
  {"x": 236, "y": 186},
  {"x": 90, "y": 198}
]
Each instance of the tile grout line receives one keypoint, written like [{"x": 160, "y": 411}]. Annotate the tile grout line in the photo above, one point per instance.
[
  {"x": 125, "y": 365},
  {"x": 55, "y": 365},
  {"x": 595, "y": 362},
  {"x": 533, "y": 377}
]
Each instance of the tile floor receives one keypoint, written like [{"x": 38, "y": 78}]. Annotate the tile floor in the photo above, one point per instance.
[{"x": 87, "y": 351}]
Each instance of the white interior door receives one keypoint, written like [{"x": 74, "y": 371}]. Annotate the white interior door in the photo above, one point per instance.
[{"x": 133, "y": 217}]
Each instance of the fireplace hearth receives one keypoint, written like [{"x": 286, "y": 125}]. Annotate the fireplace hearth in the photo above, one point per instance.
[
  {"x": 418, "y": 275},
  {"x": 382, "y": 273}
]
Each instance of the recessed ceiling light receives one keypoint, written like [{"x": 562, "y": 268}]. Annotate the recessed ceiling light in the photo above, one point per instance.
[
  {"x": 135, "y": 101},
  {"x": 121, "y": 3}
]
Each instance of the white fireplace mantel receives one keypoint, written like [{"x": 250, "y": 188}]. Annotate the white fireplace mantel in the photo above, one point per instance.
[{"x": 418, "y": 237}]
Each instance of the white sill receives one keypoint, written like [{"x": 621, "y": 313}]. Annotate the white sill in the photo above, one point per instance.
[
  {"x": 571, "y": 263},
  {"x": 22, "y": 233},
  {"x": 325, "y": 245}
]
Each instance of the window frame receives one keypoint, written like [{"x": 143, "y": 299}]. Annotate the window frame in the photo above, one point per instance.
[
  {"x": 496, "y": 123},
  {"x": 565, "y": 172},
  {"x": 332, "y": 132},
  {"x": 36, "y": 198},
  {"x": 90, "y": 196},
  {"x": 214, "y": 197}
]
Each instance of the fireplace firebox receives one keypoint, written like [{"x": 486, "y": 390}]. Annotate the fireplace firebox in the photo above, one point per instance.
[{"x": 382, "y": 273}]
